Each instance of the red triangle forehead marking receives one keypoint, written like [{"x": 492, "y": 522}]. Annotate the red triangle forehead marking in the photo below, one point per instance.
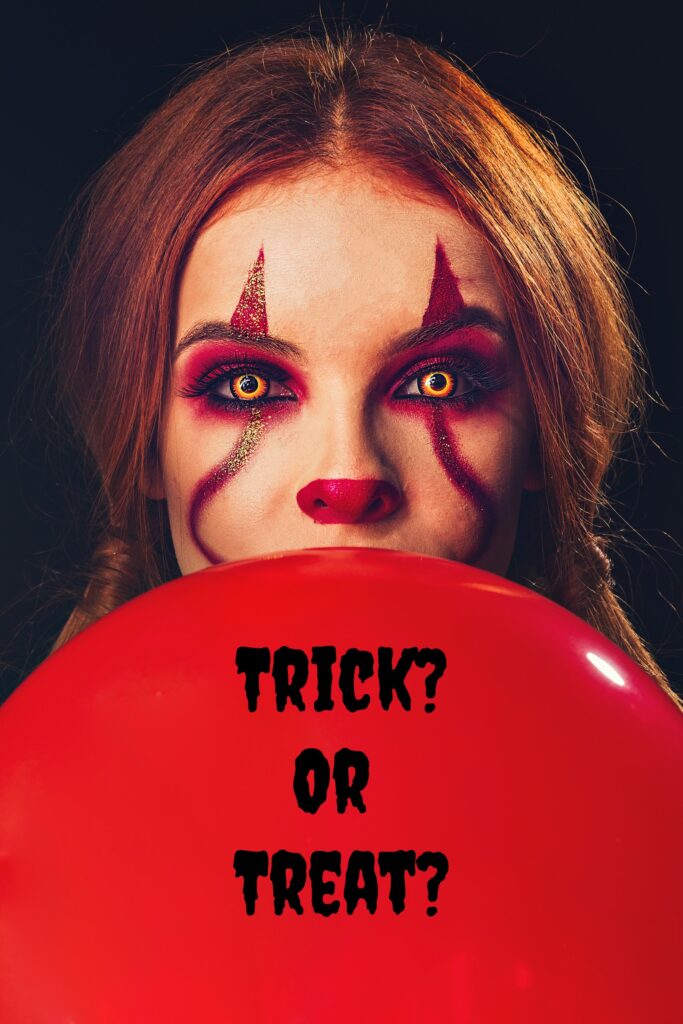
[
  {"x": 444, "y": 298},
  {"x": 250, "y": 312}
]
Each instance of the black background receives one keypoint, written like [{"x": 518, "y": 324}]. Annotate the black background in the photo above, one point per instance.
[{"x": 80, "y": 77}]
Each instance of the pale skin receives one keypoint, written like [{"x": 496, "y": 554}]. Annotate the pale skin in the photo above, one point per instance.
[{"x": 347, "y": 259}]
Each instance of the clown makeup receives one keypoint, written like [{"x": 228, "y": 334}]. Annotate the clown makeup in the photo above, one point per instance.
[{"x": 344, "y": 374}]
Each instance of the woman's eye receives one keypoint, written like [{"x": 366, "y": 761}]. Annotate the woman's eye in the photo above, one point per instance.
[
  {"x": 435, "y": 382},
  {"x": 249, "y": 386}
]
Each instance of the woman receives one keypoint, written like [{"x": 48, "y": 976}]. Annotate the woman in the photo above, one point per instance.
[{"x": 334, "y": 293}]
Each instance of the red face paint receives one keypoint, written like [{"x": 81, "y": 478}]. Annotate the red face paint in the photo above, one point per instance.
[
  {"x": 343, "y": 501},
  {"x": 219, "y": 477},
  {"x": 249, "y": 316},
  {"x": 250, "y": 311},
  {"x": 446, "y": 300},
  {"x": 213, "y": 363},
  {"x": 463, "y": 477}
]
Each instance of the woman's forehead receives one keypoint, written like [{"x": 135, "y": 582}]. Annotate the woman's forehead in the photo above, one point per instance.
[{"x": 336, "y": 245}]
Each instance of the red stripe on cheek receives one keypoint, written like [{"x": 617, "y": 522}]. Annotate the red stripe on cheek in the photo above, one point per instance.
[
  {"x": 463, "y": 478},
  {"x": 219, "y": 477}
]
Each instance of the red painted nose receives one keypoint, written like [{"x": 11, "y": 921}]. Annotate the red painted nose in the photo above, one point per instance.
[{"x": 348, "y": 501}]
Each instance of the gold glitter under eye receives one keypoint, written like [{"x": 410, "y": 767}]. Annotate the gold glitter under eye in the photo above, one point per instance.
[
  {"x": 436, "y": 384},
  {"x": 248, "y": 387},
  {"x": 242, "y": 453}
]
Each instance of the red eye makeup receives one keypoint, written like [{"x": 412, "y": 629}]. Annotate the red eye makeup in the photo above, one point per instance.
[
  {"x": 460, "y": 378},
  {"x": 234, "y": 382},
  {"x": 223, "y": 377}
]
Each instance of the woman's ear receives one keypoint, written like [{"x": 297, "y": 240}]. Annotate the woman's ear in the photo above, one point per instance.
[{"x": 534, "y": 479}]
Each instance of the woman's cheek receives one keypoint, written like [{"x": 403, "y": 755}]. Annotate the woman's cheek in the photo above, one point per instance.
[
  {"x": 246, "y": 424},
  {"x": 444, "y": 426}
]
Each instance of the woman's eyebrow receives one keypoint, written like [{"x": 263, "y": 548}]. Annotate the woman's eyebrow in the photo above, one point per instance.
[
  {"x": 468, "y": 316},
  {"x": 223, "y": 330}
]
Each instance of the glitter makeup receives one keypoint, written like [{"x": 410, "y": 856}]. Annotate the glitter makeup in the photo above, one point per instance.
[
  {"x": 250, "y": 311},
  {"x": 250, "y": 317},
  {"x": 213, "y": 365},
  {"x": 221, "y": 475}
]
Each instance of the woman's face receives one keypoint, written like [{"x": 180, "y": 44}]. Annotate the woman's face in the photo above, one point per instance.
[{"x": 344, "y": 375}]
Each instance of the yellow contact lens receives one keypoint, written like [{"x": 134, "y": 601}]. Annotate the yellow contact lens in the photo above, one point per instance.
[
  {"x": 248, "y": 386},
  {"x": 436, "y": 384}
]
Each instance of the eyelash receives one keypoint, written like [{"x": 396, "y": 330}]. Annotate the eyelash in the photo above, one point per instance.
[
  {"x": 208, "y": 383},
  {"x": 479, "y": 372}
]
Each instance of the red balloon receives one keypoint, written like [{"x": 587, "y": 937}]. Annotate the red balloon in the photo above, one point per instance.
[{"x": 548, "y": 773}]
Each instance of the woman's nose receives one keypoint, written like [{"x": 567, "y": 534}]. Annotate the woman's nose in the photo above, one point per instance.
[{"x": 348, "y": 501}]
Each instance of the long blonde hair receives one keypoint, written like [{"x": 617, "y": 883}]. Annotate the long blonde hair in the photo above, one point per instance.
[{"x": 276, "y": 106}]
